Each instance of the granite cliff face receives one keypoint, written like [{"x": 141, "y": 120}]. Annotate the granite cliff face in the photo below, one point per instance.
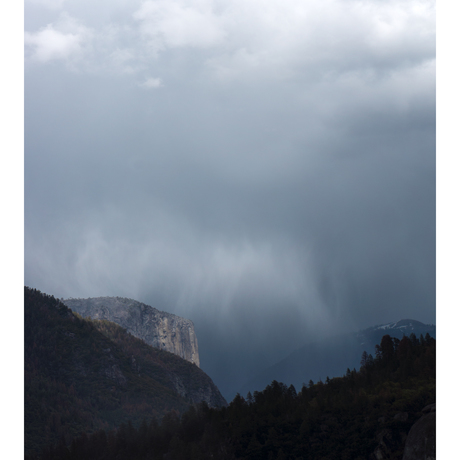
[
  {"x": 421, "y": 441},
  {"x": 157, "y": 328}
]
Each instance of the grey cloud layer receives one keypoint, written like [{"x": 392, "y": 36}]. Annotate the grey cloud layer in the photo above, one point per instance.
[
  {"x": 240, "y": 38},
  {"x": 262, "y": 168}
]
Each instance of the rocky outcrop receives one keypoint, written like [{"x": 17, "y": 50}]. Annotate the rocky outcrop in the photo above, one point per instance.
[
  {"x": 388, "y": 443},
  {"x": 157, "y": 328},
  {"x": 421, "y": 441}
]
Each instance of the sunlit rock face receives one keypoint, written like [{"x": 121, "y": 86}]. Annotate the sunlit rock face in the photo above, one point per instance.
[{"x": 157, "y": 328}]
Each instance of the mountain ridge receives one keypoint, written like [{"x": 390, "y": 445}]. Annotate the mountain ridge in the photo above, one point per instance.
[{"x": 81, "y": 375}]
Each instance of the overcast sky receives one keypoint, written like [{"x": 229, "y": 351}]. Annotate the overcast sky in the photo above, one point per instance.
[{"x": 264, "y": 168}]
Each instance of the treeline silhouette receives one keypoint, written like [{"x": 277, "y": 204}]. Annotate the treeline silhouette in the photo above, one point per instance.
[{"x": 340, "y": 418}]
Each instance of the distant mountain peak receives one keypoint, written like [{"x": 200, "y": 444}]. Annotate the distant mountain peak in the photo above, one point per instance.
[{"x": 404, "y": 325}]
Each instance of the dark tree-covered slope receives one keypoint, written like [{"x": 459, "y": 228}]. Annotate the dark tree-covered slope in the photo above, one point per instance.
[
  {"x": 82, "y": 376},
  {"x": 364, "y": 415}
]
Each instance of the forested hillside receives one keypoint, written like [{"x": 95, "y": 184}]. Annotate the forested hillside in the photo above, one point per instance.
[
  {"x": 331, "y": 356},
  {"x": 83, "y": 376},
  {"x": 363, "y": 415}
]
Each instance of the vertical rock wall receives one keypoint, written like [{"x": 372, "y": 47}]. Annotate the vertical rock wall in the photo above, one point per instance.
[{"x": 157, "y": 328}]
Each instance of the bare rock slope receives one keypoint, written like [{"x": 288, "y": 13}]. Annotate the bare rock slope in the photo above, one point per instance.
[
  {"x": 157, "y": 328},
  {"x": 421, "y": 441}
]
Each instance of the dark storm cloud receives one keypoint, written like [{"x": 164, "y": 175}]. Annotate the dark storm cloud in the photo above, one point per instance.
[{"x": 270, "y": 179}]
